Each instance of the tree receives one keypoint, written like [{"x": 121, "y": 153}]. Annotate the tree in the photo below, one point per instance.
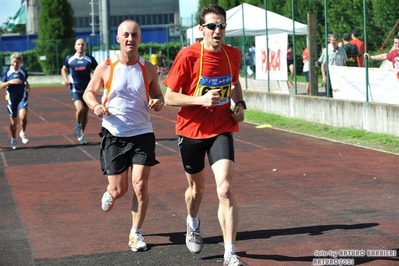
[
  {"x": 56, "y": 35},
  {"x": 385, "y": 15},
  {"x": 20, "y": 28}
]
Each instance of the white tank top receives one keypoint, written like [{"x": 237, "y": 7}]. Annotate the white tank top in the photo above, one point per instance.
[{"x": 126, "y": 97}]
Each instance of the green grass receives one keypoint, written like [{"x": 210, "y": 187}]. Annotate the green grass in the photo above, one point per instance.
[
  {"x": 351, "y": 136},
  {"x": 45, "y": 85}
]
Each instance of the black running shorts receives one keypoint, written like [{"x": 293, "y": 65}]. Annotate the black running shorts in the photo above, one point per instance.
[
  {"x": 119, "y": 153},
  {"x": 192, "y": 151}
]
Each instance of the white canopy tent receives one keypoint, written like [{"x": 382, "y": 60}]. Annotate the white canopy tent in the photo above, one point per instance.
[{"x": 250, "y": 20}]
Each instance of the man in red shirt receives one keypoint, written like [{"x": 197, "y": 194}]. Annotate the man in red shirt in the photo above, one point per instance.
[
  {"x": 203, "y": 80},
  {"x": 392, "y": 56},
  {"x": 360, "y": 44}
]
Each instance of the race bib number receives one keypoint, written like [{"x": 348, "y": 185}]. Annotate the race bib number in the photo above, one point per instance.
[{"x": 207, "y": 84}]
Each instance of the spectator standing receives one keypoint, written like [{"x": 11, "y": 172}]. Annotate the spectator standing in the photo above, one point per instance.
[
  {"x": 290, "y": 65},
  {"x": 305, "y": 70},
  {"x": 160, "y": 62},
  {"x": 392, "y": 56},
  {"x": 131, "y": 88},
  {"x": 352, "y": 51},
  {"x": 80, "y": 66},
  {"x": 15, "y": 81},
  {"x": 153, "y": 59},
  {"x": 336, "y": 57},
  {"x": 252, "y": 55},
  {"x": 360, "y": 44}
]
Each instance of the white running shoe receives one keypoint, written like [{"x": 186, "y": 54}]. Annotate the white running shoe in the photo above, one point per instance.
[
  {"x": 233, "y": 260},
  {"x": 24, "y": 137},
  {"x": 194, "y": 240},
  {"x": 14, "y": 143},
  {"x": 107, "y": 202},
  {"x": 82, "y": 139},
  {"x": 136, "y": 242}
]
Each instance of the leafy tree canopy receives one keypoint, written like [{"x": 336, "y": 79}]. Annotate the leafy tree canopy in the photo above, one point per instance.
[
  {"x": 56, "y": 35},
  {"x": 341, "y": 16}
]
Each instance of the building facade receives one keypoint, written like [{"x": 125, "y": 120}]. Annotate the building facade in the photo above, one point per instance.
[
  {"x": 150, "y": 14},
  {"x": 159, "y": 21},
  {"x": 154, "y": 17}
]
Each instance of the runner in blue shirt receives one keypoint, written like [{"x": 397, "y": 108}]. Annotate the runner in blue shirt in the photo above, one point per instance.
[
  {"x": 80, "y": 66},
  {"x": 15, "y": 80}
]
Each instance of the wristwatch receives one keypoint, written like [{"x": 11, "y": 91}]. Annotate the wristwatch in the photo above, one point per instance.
[{"x": 242, "y": 102}]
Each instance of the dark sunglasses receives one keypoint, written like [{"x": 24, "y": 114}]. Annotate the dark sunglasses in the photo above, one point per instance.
[{"x": 213, "y": 26}]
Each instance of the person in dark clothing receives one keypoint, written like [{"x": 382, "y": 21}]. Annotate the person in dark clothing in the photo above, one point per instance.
[
  {"x": 160, "y": 62},
  {"x": 352, "y": 51},
  {"x": 15, "y": 80}
]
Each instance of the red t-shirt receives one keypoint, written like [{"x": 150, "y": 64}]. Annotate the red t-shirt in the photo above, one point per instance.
[
  {"x": 360, "y": 45},
  {"x": 393, "y": 56},
  {"x": 196, "y": 121}
]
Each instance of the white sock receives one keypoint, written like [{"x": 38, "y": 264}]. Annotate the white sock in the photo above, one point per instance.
[
  {"x": 228, "y": 250},
  {"x": 193, "y": 222},
  {"x": 135, "y": 230}
]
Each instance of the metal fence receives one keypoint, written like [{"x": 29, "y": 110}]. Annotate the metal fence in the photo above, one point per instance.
[
  {"x": 376, "y": 81},
  {"x": 51, "y": 59}
]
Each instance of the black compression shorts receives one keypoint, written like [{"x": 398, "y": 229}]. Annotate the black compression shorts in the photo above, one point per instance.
[{"x": 192, "y": 151}]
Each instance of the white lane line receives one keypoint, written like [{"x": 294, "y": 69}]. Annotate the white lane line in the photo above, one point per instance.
[
  {"x": 3, "y": 158},
  {"x": 80, "y": 148}
]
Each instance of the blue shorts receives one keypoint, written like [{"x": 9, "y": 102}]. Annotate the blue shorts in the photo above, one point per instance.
[
  {"x": 119, "y": 153},
  {"x": 192, "y": 151},
  {"x": 77, "y": 96},
  {"x": 306, "y": 73},
  {"x": 14, "y": 104}
]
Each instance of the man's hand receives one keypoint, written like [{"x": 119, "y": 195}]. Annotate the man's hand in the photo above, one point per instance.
[
  {"x": 238, "y": 114},
  {"x": 155, "y": 104},
  {"x": 99, "y": 110},
  {"x": 211, "y": 98}
]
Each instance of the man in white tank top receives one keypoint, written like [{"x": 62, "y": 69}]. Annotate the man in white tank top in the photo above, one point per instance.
[{"x": 131, "y": 88}]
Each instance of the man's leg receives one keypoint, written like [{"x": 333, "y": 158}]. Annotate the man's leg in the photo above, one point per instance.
[
  {"x": 13, "y": 126},
  {"x": 12, "y": 110},
  {"x": 23, "y": 119},
  {"x": 194, "y": 192},
  {"x": 117, "y": 187},
  {"x": 13, "y": 130},
  {"x": 81, "y": 120},
  {"x": 140, "y": 175},
  {"x": 140, "y": 201},
  {"x": 84, "y": 117},
  {"x": 79, "y": 107},
  {"x": 193, "y": 198},
  {"x": 227, "y": 212}
]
